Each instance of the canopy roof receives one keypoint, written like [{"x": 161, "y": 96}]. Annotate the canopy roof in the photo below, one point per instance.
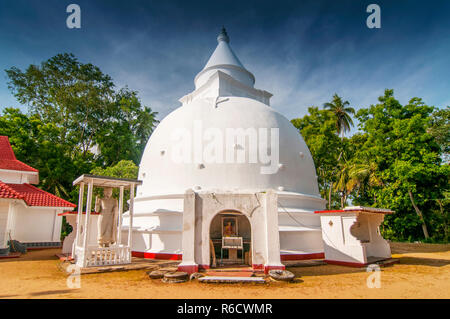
[{"x": 106, "y": 181}]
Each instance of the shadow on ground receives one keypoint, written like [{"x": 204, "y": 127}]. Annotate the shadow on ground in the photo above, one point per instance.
[
  {"x": 423, "y": 261},
  {"x": 51, "y": 292},
  {"x": 404, "y": 248}
]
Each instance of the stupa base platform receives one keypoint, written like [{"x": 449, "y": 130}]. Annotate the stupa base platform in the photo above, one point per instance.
[
  {"x": 136, "y": 264},
  {"x": 382, "y": 262}
]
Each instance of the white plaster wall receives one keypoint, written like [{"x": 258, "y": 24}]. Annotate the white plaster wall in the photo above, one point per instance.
[
  {"x": 35, "y": 224},
  {"x": 301, "y": 242},
  {"x": 340, "y": 243}
]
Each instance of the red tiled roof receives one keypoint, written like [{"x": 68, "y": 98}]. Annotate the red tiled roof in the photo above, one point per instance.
[
  {"x": 8, "y": 192},
  {"x": 32, "y": 195},
  {"x": 8, "y": 159}
]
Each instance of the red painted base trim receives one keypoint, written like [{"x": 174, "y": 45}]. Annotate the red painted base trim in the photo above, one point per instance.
[
  {"x": 188, "y": 268},
  {"x": 165, "y": 256},
  {"x": 345, "y": 263},
  {"x": 11, "y": 255},
  {"x": 302, "y": 256},
  {"x": 267, "y": 268},
  {"x": 258, "y": 267}
]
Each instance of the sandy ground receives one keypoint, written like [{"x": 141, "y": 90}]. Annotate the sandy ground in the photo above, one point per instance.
[{"x": 423, "y": 272}]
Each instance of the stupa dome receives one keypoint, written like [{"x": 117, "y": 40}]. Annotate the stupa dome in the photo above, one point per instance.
[{"x": 160, "y": 174}]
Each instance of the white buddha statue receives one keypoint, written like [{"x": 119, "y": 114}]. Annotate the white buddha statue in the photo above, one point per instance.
[{"x": 107, "y": 221}]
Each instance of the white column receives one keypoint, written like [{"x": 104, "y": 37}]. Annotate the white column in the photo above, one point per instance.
[
  {"x": 130, "y": 230},
  {"x": 272, "y": 233},
  {"x": 86, "y": 222},
  {"x": 119, "y": 222},
  {"x": 188, "y": 263},
  {"x": 79, "y": 216}
]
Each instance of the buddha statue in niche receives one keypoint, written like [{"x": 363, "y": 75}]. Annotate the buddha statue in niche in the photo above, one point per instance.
[{"x": 107, "y": 221}]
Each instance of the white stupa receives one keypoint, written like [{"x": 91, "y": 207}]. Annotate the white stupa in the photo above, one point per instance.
[{"x": 192, "y": 197}]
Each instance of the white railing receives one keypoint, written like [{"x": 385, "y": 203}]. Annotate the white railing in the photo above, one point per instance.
[
  {"x": 117, "y": 255},
  {"x": 98, "y": 256}
]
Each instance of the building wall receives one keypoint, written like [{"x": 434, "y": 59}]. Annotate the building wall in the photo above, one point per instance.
[
  {"x": 4, "y": 207},
  {"x": 36, "y": 225},
  {"x": 17, "y": 177}
]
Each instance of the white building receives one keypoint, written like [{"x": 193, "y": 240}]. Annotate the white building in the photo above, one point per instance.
[
  {"x": 27, "y": 213},
  {"x": 187, "y": 198}
]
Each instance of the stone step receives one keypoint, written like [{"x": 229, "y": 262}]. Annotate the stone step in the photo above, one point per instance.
[
  {"x": 230, "y": 273},
  {"x": 226, "y": 279}
]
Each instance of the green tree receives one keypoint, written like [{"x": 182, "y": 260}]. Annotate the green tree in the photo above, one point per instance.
[
  {"x": 126, "y": 136},
  {"x": 80, "y": 101},
  {"x": 319, "y": 132},
  {"x": 75, "y": 97},
  {"x": 409, "y": 164},
  {"x": 440, "y": 129},
  {"x": 37, "y": 144}
]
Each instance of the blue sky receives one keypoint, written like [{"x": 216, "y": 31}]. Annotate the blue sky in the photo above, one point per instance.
[{"x": 302, "y": 52}]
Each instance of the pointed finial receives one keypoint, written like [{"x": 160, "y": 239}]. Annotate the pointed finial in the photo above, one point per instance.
[{"x": 223, "y": 36}]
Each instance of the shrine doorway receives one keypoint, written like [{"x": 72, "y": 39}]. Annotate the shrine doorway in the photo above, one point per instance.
[{"x": 230, "y": 239}]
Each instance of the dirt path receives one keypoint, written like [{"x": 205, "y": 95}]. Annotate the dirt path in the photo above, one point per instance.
[{"x": 423, "y": 272}]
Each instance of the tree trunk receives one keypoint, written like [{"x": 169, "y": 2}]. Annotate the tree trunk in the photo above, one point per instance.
[
  {"x": 419, "y": 213},
  {"x": 329, "y": 196},
  {"x": 441, "y": 208}
]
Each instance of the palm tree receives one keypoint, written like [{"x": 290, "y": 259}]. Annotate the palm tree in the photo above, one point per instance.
[
  {"x": 355, "y": 176},
  {"x": 342, "y": 112},
  {"x": 343, "y": 177},
  {"x": 363, "y": 175}
]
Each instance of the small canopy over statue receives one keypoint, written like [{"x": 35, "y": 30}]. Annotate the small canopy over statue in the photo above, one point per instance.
[{"x": 110, "y": 249}]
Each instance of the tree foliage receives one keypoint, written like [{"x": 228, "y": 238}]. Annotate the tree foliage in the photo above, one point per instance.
[
  {"x": 81, "y": 102},
  {"x": 342, "y": 113},
  {"x": 394, "y": 161},
  {"x": 318, "y": 129},
  {"x": 123, "y": 169},
  {"x": 409, "y": 161}
]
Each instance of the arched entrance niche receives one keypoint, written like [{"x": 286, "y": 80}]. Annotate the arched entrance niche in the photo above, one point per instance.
[
  {"x": 259, "y": 209},
  {"x": 230, "y": 223}
]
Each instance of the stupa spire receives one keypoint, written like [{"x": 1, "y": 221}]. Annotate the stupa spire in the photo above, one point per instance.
[
  {"x": 223, "y": 59},
  {"x": 225, "y": 75},
  {"x": 223, "y": 36}
]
